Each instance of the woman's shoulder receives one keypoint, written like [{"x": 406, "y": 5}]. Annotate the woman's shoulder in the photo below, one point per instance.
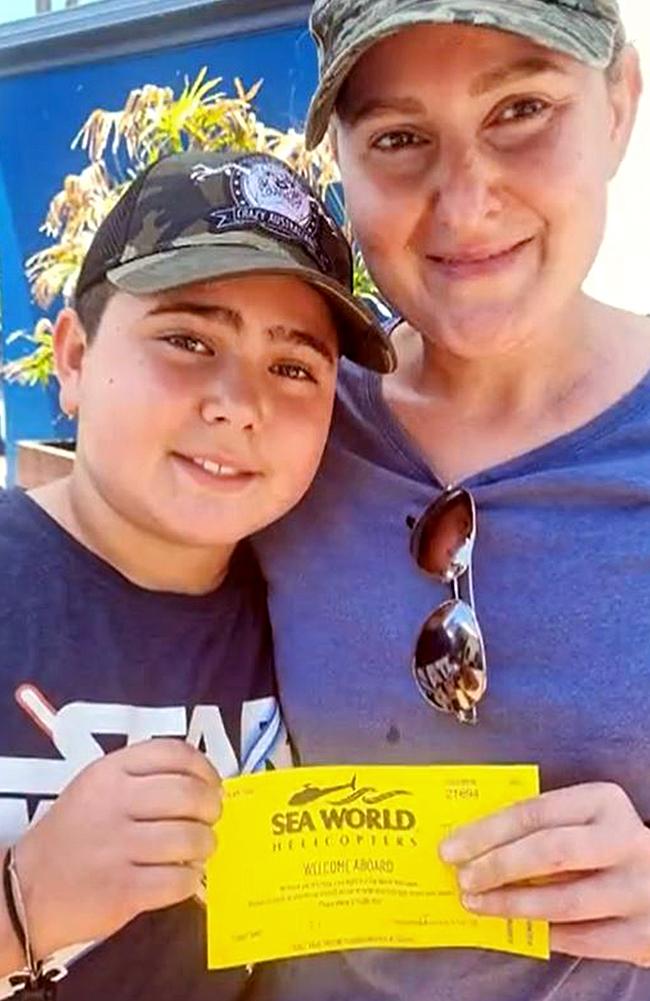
[
  {"x": 623, "y": 344},
  {"x": 625, "y": 322}
]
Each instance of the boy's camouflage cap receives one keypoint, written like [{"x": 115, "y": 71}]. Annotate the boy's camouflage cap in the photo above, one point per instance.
[
  {"x": 199, "y": 216},
  {"x": 343, "y": 30}
]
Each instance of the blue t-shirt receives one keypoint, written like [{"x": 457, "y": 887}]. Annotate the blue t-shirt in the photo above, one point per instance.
[
  {"x": 90, "y": 662},
  {"x": 562, "y": 585}
]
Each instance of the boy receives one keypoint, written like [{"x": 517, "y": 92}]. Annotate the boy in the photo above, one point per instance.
[{"x": 201, "y": 362}]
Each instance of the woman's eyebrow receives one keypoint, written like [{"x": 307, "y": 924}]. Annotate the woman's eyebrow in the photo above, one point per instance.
[
  {"x": 490, "y": 80},
  {"x": 529, "y": 66},
  {"x": 381, "y": 105}
]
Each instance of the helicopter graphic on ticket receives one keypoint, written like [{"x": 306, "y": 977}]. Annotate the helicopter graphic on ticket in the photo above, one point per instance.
[{"x": 312, "y": 860}]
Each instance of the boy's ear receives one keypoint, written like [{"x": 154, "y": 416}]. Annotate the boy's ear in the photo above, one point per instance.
[{"x": 70, "y": 345}]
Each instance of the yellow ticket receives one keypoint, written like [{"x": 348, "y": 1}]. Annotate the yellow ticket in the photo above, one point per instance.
[{"x": 312, "y": 860}]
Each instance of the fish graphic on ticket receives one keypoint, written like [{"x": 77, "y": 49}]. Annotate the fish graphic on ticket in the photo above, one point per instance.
[{"x": 312, "y": 860}]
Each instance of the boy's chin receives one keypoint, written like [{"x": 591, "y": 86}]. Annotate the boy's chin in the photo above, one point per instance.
[
  {"x": 224, "y": 529},
  {"x": 224, "y": 535}
]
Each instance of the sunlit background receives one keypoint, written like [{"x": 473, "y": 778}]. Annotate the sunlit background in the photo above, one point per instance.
[
  {"x": 622, "y": 273},
  {"x": 16, "y": 10}
]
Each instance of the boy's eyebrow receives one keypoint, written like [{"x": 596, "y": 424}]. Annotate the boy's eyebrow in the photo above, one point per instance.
[
  {"x": 302, "y": 338},
  {"x": 528, "y": 66},
  {"x": 229, "y": 317}
]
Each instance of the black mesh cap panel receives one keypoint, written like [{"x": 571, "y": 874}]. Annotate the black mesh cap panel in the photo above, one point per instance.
[{"x": 110, "y": 239}]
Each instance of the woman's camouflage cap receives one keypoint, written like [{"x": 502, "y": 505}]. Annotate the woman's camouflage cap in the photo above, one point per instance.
[
  {"x": 587, "y": 30},
  {"x": 199, "y": 216}
]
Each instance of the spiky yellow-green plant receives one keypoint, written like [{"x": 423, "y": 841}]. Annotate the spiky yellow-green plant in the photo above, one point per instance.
[{"x": 152, "y": 123}]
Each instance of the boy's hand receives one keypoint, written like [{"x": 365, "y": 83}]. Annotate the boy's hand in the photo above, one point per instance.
[
  {"x": 130, "y": 834},
  {"x": 577, "y": 857}
]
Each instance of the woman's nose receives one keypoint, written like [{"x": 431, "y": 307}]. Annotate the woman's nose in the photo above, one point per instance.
[{"x": 465, "y": 193}]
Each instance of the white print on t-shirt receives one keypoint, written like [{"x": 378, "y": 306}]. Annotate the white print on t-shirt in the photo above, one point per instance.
[{"x": 74, "y": 728}]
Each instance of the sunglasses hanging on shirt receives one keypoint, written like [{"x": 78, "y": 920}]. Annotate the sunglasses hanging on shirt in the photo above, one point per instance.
[{"x": 449, "y": 659}]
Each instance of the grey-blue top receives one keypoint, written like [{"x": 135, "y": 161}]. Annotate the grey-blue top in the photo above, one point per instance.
[{"x": 562, "y": 580}]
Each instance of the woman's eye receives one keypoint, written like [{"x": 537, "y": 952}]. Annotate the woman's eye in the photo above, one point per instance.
[
  {"x": 527, "y": 108},
  {"x": 391, "y": 141},
  {"x": 290, "y": 370},
  {"x": 185, "y": 342}
]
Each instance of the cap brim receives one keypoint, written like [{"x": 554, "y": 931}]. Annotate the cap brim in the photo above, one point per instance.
[
  {"x": 361, "y": 337},
  {"x": 565, "y": 33}
]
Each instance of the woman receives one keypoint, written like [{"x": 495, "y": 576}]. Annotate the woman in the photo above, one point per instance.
[{"x": 476, "y": 141}]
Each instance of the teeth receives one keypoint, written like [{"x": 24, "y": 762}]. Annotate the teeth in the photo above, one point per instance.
[{"x": 216, "y": 469}]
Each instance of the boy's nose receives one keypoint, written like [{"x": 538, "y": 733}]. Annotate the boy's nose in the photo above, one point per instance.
[{"x": 235, "y": 401}]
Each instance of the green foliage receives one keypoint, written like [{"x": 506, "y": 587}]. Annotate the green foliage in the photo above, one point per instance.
[{"x": 35, "y": 368}]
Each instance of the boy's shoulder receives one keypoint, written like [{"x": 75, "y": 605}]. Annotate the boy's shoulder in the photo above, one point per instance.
[
  {"x": 33, "y": 545},
  {"x": 24, "y": 527},
  {"x": 28, "y": 534},
  {"x": 14, "y": 502}
]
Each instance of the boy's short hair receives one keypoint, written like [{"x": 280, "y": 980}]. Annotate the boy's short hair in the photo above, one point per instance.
[{"x": 91, "y": 304}]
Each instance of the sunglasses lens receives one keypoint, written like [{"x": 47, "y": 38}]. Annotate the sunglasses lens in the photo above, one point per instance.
[
  {"x": 443, "y": 538},
  {"x": 449, "y": 661}
]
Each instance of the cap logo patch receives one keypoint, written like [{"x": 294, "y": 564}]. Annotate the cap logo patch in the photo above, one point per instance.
[
  {"x": 201, "y": 172},
  {"x": 267, "y": 185},
  {"x": 266, "y": 195}
]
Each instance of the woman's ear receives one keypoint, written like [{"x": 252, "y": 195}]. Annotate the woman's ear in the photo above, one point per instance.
[
  {"x": 333, "y": 135},
  {"x": 70, "y": 345},
  {"x": 625, "y": 86}
]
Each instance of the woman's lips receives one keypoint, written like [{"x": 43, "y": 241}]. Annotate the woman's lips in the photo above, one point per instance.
[{"x": 476, "y": 263}]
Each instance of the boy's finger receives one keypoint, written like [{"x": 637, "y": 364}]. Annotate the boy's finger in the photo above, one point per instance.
[
  {"x": 165, "y": 755},
  {"x": 157, "y": 886},
  {"x": 170, "y": 842},
  {"x": 174, "y": 797}
]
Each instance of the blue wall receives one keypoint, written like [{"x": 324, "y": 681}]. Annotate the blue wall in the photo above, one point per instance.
[{"x": 40, "y": 113}]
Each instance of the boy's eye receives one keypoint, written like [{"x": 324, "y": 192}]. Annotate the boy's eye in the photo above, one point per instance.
[
  {"x": 397, "y": 140},
  {"x": 186, "y": 342},
  {"x": 522, "y": 110},
  {"x": 291, "y": 370}
]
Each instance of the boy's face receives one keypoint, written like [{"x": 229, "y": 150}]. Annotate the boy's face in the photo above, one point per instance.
[{"x": 203, "y": 411}]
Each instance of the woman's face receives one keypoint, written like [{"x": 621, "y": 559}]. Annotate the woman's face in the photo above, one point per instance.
[{"x": 475, "y": 166}]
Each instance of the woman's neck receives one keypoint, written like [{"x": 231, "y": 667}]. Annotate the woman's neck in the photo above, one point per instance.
[
  {"x": 469, "y": 414},
  {"x": 547, "y": 364}
]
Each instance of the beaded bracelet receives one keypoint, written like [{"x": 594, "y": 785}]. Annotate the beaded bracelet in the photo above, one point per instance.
[{"x": 33, "y": 983}]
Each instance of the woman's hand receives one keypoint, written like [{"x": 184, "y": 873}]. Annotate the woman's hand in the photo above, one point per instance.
[{"x": 583, "y": 857}]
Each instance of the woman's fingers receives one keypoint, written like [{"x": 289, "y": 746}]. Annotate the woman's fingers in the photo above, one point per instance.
[
  {"x": 571, "y": 807},
  {"x": 544, "y": 854},
  {"x": 611, "y": 893}
]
